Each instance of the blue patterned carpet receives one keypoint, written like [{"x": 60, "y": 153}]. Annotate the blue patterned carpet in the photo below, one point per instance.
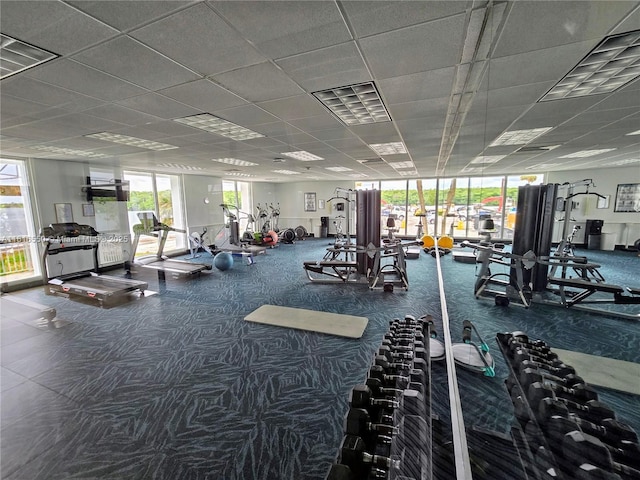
[{"x": 178, "y": 386}]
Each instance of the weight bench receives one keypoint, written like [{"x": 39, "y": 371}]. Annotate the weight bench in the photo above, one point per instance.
[
  {"x": 339, "y": 270},
  {"x": 587, "y": 288}
]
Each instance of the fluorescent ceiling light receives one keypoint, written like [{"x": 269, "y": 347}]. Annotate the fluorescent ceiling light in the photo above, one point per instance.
[
  {"x": 357, "y": 175},
  {"x": 302, "y": 156},
  {"x": 519, "y": 137},
  {"x": 542, "y": 166},
  {"x": 17, "y": 56},
  {"x": 637, "y": 132},
  {"x": 624, "y": 162},
  {"x": 286, "y": 172},
  {"x": 339, "y": 169},
  {"x": 408, "y": 173},
  {"x": 178, "y": 166},
  {"x": 234, "y": 161},
  {"x": 488, "y": 159},
  {"x": 390, "y": 148},
  {"x": 355, "y": 104},
  {"x": 239, "y": 174},
  {"x": 587, "y": 153},
  {"x": 407, "y": 164},
  {"x": 609, "y": 66},
  {"x": 210, "y": 123},
  {"x": 131, "y": 141},
  {"x": 68, "y": 151}
]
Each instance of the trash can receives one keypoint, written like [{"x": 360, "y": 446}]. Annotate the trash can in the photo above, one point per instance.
[
  {"x": 594, "y": 234},
  {"x": 324, "y": 227},
  {"x": 608, "y": 241}
]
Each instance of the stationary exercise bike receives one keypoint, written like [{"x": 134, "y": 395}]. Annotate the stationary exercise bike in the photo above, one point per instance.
[{"x": 196, "y": 242}]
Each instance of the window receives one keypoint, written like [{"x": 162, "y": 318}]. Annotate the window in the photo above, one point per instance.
[
  {"x": 18, "y": 248},
  {"x": 161, "y": 195}
]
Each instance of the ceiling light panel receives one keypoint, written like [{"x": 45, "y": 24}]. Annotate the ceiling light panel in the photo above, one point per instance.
[
  {"x": 637, "y": 132},
  {"x": 210, "y": 123},
  {"x": 519, "y": 137},
  {"x": 339, "y": 169},
  {"x": 238, "y": 174},
  {"x": 68, "y": 151},
  {"x": 286, "y": 172},
  {"x": 587, "y": 153},
  {"x": 408, "y": 173},
  {"x": 179, "y": 166},
  {"x": 355, "y": 104},
  {"x": 488, "y": 159},
  {"x": 131, "y": 141},
  {"x": 398, "y": 165},
  {"x": 17, "y": 56},
  {"x": 611, "y": 65},
  {"x": 234, "y": 161},
  {"x": 390, "y": 148},
  {"x": 302, "y": 156}
]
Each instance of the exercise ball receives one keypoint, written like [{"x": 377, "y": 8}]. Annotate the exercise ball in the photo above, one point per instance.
[
  {"x": 223, "y": 261},
  {"x": 271, "y": 238}
]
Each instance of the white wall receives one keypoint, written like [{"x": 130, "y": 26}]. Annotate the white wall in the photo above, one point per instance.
[
  {"x": 623, "y": 227},
  {"x": 200, "y": 214},
  {"x": 290, "y": 196}
]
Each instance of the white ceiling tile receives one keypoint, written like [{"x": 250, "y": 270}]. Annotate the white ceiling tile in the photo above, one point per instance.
[
  {"x": 331, "y": 67},
  {"x": 84, "y": 79},
  {"x": 159, "y": 106},
  {"x": 125, "y": 15},
  {"x": 290, "y": 108},
  {"x": 372, "y": 17},
  {"x": 429, "y": 46},
  {"x": 199, "y": 39},
  {"x": 259, "y": 83},
  {"x": 127, "y": 59},
  {"x": 293, "y": 27},
  {"x": 44, "y": 30},
  {"x": 203, "y": 95}
]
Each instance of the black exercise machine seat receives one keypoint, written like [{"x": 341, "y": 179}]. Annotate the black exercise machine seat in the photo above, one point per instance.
[{"x": 589, "y": 288}]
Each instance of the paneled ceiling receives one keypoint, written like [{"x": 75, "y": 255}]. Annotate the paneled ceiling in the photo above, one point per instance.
[{"x": 452, "y": 76}]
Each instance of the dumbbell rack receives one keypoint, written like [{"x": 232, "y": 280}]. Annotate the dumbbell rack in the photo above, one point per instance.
[
  {"x": 540, "y": 459},
  {"x": 420, "y": 446},
  {"x": 399, "y": 377}
]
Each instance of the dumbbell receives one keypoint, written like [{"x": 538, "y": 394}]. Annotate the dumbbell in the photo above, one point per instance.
[
  {"x": 391, "y": 367},
  {"x": 392, "y": 354},
  {"x": 361, "y": 396},
  {"x": 593, "y": 410},
  {"x": 353, "y": 455},
  {"x": 401, "y": 346},
  {"x": 340, "y": 472},
  {"x": 358, "y": 422},
  {"x": 389, "y": 380},
  {"x": 532, "y": 375},
  {"x": 560, "y": 370},
  {"x": 608, "y": 430},
  {"x": 622, "y": 451},
  {"x": 520, "y": 353},
  {"x": 504, "y": 337},
  {"x": 533, "y": 346},
  {"x": 579, "y": 393},
  {"x": 379, "y": 390},
  {"x": 580, "y": 448}
]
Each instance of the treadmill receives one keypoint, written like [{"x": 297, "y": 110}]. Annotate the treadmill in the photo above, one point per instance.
[
  {"x": 149, "y": 225},
  {"x": 64, "y": 238}
]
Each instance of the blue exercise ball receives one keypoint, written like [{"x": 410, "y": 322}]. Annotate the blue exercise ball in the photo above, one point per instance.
[{"x": 223, "y": 261}]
